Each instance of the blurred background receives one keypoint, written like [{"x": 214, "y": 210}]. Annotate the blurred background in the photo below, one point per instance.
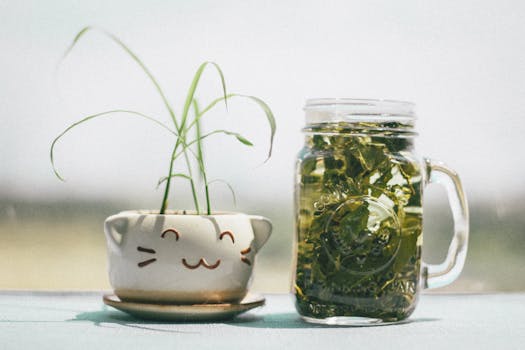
[{"x": 461, "y": 62}]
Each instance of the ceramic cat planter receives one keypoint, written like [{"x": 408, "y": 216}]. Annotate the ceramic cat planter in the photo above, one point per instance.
[{"x": 183, "y": 258}]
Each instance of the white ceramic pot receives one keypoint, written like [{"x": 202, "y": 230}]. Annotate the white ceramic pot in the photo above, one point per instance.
[{"x": 183, "y": 258}]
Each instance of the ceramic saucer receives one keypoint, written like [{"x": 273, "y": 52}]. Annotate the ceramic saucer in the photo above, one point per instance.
[{"x": 185, "y": 313}]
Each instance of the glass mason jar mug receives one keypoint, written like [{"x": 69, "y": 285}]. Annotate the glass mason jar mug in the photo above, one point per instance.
[{"x": 358, "y": 199}]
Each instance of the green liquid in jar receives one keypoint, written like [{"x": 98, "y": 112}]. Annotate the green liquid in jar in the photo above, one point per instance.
[{"x": 359, "y": 222}]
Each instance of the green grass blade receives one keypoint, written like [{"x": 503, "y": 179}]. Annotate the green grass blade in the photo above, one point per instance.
[
  {"x": 195, "y": 82},
  {"x": 201, "y": 161},
  {"x": 243, "y": 140},
  {"x": 165, "y": 178},
  {"x": 132, "y": 54},
  {"x": 267, "y": 111},
  {"x": 269, "y": 116},
  {"x": 229, "y": 186},
  {"x": 75, "y": 40},
  {"x": 226, "y": 132},
  {"x": 202, "y": 171},
  {"x": 182, "y": 128},
  {"x": 164, "y": 204},
  {"x": 217, "y": 100},
  {"x": 198, "y": 134},
  {"x": 157, "y": 87},
  {"x": 192, "y": 183},
  {"x": 93, "y": 116},
  {"x": 200, "y": 155}
]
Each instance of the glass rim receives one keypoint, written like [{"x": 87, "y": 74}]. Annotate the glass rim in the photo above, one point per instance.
[
  {"x": 344, "y": 101},
  {"x": 364, "y": 107},
  {"x": 332, "y": 110}
]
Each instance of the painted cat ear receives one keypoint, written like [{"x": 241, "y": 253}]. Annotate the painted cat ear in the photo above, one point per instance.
[
  {"x": 172, "y": 231},
  {"x": 227, "y": 233},
  {"x": 262, "y": 228}
]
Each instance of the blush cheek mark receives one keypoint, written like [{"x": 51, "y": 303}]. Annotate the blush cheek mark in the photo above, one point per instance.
[{"x": 146, "y": 262}]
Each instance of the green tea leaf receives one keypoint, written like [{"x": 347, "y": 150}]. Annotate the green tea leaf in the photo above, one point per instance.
[{"x": 359, "y": 223}]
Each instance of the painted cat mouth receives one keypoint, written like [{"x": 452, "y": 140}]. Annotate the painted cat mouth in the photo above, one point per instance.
[{"x": 202, "y": 262}]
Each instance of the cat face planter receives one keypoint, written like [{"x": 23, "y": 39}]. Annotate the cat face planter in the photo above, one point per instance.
[{"x": 183, "y": 259}]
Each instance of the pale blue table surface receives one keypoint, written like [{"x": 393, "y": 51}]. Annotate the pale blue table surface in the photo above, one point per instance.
[{"x": 71, "y": 320}]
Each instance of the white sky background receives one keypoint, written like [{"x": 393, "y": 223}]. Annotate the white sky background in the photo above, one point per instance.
[{"x": 461, "y": 62}]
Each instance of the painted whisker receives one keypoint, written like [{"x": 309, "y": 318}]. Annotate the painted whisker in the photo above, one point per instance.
[
  {"x": 149, "y": 251},
  {"x": 146, "y": 250},
  {"x": 245, "y": 259},
  {"x": 146, "y": 262}
]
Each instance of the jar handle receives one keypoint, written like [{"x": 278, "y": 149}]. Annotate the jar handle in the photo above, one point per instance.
[{"x": 435, "y": 276}]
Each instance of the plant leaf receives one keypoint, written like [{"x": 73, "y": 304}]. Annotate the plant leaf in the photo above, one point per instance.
[
  {"x": 193, "y": 87},
  {"x": 165, "y": 178},
  {"x": 217, "y": 100},
  {"x": 162, "y": 95},
  {"x": 93, "y": 116},
  {"x": 141, "y": 64},
  {"x": 269, "y": 116},
  {"x": 229, "y": 186},
  {"x": 183, "y": 129},
  {"x": 75, "y": 40},
  {"x": 226, "y": 132},
  {"x": 243, "y": 140},
  {"x": 267, "y": 111},
  {"x": 238, "y": 136},
  {"x": 198, "y": 134}
]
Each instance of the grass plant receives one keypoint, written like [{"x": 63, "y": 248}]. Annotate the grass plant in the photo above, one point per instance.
[{"x": 188, "y": 123}]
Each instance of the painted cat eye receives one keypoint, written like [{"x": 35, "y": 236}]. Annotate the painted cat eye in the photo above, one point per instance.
[
  {"x": 227, "y": 233},
  {"x": 177, "y": 235}
]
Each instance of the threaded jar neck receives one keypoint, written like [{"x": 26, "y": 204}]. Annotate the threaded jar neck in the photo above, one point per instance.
[{"x": 344, "y": 116}]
